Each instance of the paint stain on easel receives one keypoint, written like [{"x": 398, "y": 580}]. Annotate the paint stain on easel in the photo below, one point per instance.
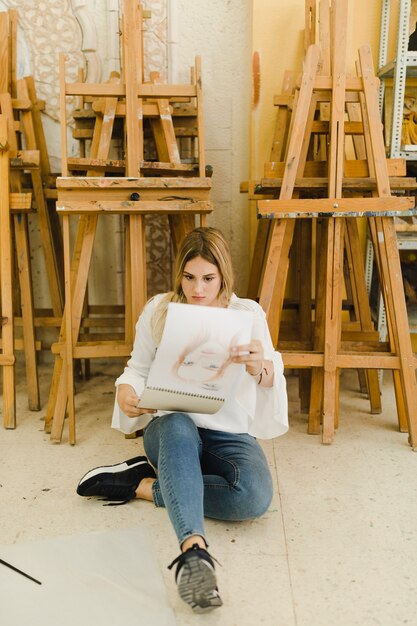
[{"x": 256, "y": 79}]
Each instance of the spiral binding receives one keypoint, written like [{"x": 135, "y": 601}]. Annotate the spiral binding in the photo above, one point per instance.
[{"x": 186, "y": 393}]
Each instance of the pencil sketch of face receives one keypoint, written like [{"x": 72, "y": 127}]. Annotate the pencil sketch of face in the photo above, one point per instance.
[{"x": 203, "y": 360}]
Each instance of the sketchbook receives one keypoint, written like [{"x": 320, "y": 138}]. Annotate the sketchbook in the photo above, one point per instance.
[{"x": 192, "y": 371}]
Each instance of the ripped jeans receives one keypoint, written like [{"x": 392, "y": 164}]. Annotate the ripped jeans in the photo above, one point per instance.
[{"x": 204, "y": 472}]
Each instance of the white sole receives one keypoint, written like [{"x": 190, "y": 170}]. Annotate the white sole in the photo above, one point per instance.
[
  {"x": 110, "y": 469},
  {"x": 197, "y": 585}
]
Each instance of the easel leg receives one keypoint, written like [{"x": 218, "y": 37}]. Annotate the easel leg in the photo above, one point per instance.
[
  {"x": 79, "y": 276},
  {"x": 363, "y": 311},
  {"x": 7, "y": 358},
  {"x": 271, "y": 296},
  {"x": 23, "y": 260},
  {"x": 377, "y": 236},
  {"x": 305, "y": 305},
  {"x": 316, "y": 395},
  {"x": 332, "y": 325},
  {"x": 395, "y": 299}
]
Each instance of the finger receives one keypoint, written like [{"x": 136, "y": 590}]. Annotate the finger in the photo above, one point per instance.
[{"x": 240, "y": 350}]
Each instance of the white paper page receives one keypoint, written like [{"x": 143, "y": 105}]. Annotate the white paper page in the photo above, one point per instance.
[{"x": 194, "y": 354}]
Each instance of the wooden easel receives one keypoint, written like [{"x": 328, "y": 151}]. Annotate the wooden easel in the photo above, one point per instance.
[
  {"x": 133, "y": 195},
  {"x": 29, "y": 176},
  {"x": 330, "y": 354},
  {"x": 22, "y": 107},
  {"x": 9, "y": 202}
]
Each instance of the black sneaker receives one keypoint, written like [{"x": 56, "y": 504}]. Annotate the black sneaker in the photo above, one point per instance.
[
  {"x": 196, "y": 579},
  {"x": 118, "y": 482}
]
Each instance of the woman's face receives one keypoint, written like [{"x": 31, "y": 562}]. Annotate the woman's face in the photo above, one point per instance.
[{"x": 201, "y": 282}]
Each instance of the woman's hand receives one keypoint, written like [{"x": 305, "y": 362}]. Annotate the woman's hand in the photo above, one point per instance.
[
  {"x": 128, "y": 401},
  {"x": 251, "y": 355}
]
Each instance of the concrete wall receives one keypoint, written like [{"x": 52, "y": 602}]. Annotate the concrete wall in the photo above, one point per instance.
[{"x": 220, "y": 32}]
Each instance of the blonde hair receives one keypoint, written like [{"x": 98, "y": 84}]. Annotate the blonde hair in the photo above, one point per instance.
[{"x": 210, "y": 244}]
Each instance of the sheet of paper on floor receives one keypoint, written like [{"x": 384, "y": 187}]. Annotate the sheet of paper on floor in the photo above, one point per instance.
[{"x": 103, "y": 578}]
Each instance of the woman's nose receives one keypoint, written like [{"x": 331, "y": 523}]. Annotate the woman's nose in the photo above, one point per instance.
[{"x": 199, "y": 286}]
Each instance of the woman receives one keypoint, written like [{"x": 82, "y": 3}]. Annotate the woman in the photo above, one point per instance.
[{"x": 199, "y": 465}]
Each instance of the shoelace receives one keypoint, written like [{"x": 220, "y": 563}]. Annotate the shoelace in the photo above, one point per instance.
[
  {"x": 180, "y": 559},
  {"x": 110, "y": 502},
  {"x": 117, "y": 496}
]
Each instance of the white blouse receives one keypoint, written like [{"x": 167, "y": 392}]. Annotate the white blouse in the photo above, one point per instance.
[{"x": 259, "y": 411}]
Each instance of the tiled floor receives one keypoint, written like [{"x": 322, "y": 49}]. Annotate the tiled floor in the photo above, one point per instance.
[{"x": 338, "y": 546}]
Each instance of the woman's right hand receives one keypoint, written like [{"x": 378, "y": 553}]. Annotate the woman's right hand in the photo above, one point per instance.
[{"x": 128, "y": 401}]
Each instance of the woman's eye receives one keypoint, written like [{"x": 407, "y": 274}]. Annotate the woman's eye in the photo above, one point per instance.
[
  {"x": 213, "y": 367},
  {"x": 208, "y": 278},
  {"x": 187, "y": 362}
]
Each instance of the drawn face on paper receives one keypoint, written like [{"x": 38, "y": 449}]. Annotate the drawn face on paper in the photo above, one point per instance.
[{"x": 206, "y": 362}]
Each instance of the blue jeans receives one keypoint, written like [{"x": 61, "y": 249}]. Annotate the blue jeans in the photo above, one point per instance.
[{"x": 205, "y": 472}]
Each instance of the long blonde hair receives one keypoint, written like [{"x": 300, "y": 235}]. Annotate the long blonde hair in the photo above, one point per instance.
[{"x": 210, "y": 244}]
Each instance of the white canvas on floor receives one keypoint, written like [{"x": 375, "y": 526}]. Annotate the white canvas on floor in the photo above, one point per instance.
[{"x": 105, "y": 578}]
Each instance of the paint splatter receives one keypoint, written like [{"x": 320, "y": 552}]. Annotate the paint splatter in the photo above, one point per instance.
[{"x": 256, "y": 79}]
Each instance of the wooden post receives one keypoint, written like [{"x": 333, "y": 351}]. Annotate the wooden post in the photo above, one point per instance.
[{"x": 7, "y": 358}]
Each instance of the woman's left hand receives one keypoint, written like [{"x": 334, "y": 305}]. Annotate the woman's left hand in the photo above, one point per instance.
[{"x": 251, "y": 355}]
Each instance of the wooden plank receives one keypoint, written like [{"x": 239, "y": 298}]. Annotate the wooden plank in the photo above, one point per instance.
[
  {"x": 324, "y": 38},
  {"x": 356, "y": 266},
  {"x": 21, "y": 201},
  {"x": 352, "y": 168},
  {"x": 323, "y": 96},
  {"x": 325, "y": 83},
  {"x": 304, "y": 259},
  {"x": 25, "y": 281},
  {"x": 269, "y": 185},
  {"x": 4, "y": 53},
  {"x": 131, "y": 207},
  {"x": 70, "y": 339},
  {"x": 7, "y": 358},
  {"x": 198, "y": 81},
  {"x": 343, "y": 361},
  {"x": 121, "y": 196},
  {"x": 40, "y": 140},
  {"x": 25, "y": 159},
  {"x": 150, "y": 109},
  {"x": 144, "y": 90},
  {"x": 333, "y": 206},
  {"x": 334, "y": 269},
  {"x": 350, "y": 128},
  {"x": 310, "y": 24},
  {"x": 133, "y": 78},
  {"x": 63, "y": 114},
  {"x": 12, "y": 51},
  {"x": 132, "y": 183}
]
